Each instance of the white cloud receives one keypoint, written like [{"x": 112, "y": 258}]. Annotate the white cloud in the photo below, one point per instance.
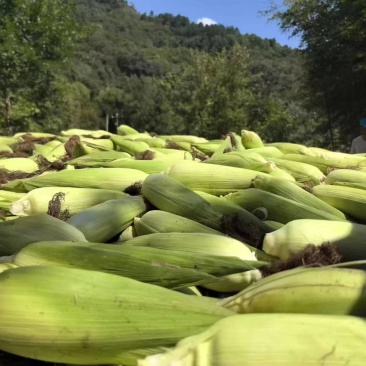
[{"x": 206, "y": 21}]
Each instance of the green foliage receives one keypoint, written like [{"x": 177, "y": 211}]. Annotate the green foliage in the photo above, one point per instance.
[
  {"x": 35, "y": 37},
  {"x": 333, "y": 39},
  {"x": 211, "y": 92}
]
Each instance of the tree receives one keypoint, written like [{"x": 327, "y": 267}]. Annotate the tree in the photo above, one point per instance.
[
  {"x": 211, "y": 93},
  {"x": 35, "y": 38},
  {"x": 333, "y": 40}
]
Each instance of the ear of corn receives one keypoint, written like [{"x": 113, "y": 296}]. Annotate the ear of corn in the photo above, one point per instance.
[
  {"x": 167, "y": 194},
  {"x": 250, "y": 139},
  {"x": 275, "y": 339},
  {"x": 346, "y": 175},
  {"x": 214, "y": 179},
  {"x": 171, "y": 269},
  {"x": 71, "y": 199},
  {"x": 157, "y": 221},
  {"x": 184, "y": 138},
  {"x": 126, "y": 130},
  {"x": 207, "y": 148},
  {"x": 105, "y": 220},
  {"x": 212, "y": 244},
  {"x": 129, "y": 146},
  {"x": 281, "y": 174},
  {"x": 114, "y": 179},
  {"x": 245, "y": 218},
  {"x": 351, "y": 201},
  {"x": 82, "y": 317},
  {"x": 345, "y": 293},
  {"x": 98, "y": 159},
  {"x": 279, "y": 209},
  {"x": 252, "y": 161},
  {"x": 16, "y": 234},
  {"x": 225, "y": 145},
  {"x": 5, "y": 140},
  {"x": 6, "y": 148},
  {"x": 291, "y": 148},
  {"x": 80, "y": 132},
  {"x": 19, "y": 164},
  {"x": 302, "y": 172},
  {"x": 321, "y": 162},
  {"x": 127, "y": 234},
  {"x": 291, "y": 191},
  {"x": 294, "y": 236}
]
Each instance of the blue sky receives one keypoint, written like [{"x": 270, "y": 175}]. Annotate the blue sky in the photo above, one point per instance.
[{"x": 237, "y": 13}]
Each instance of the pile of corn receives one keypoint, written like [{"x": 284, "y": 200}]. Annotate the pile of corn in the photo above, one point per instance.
[{"x": 128, "y": 249}]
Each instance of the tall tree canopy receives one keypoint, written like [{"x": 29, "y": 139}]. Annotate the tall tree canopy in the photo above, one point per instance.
[
  {"x": 35, "y": 38},
  {"x": 333, "y": 35}
]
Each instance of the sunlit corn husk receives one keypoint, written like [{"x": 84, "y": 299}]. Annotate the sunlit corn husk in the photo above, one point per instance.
[
  {"x": 11, "y": 196},
  {"x": 178, "y": 145},
  {"x": 251, "y": 140},
  {"x": 98, "y": 143},
  {"x": 105, "y": 178},
  {"x": 90, "y": 133},
  {"x": 42, "y": 149},
  {"x": 16, "y": 234},
  {"x": 99, "y": 158},
  {"x": 146, "y": 166},
  {"x": 5, "y": 140},
  {"x": 291, "y": 148},
  {"x": 167, "y": 268},
  {"x": 351, "y": 184},
  {"x": 247, "y": 161},
  {"x": 75, "y": 315},
  {"x": 267, "y": 151},
  {"x": 135, "y": 136},
  {"x": 56, "y": 153},
  {"x": 194, "y": 242},
  {"x": 275, "y": 339},
  {"x": 200, "y": 243},
  {"x": 322, "y": 163},
  {"x": 302, "y": 172},
  {"x": 279, "y": 209},
  {"x": 282, "y": 174},
  {"x": 351, "y": 201},
  {"x": 157, "y": 221},
  {"x": 236, "y": 141},
  {"x": 34, "y": 134},
  {"x": 19, "y": 164},
  {"x": 348, "y": 237},
  {"x": 345, "y": 293},
  {"x": 209, "y": 178},
  {"x": 192, "y": 290},
  {"x": 346, "y": 175},
  {"x": 153, "y": 141},
  {"x": 71, "y": 199},
  {"x": 6, "y": 148},
  {"x": 105, "y": 220},
  {"x": 225, "y": 146},
  {"x": 126, "y": 130},
  {"x": 5, "y": 266},
  {"x": 129, "y": 146},
  {"x": 291, "y": 191},
  {"x": 127, "y": 234},
  {"x": 208, "y": 148},
  {"x": 333, "y": 155},
  {"x": 184, "y": 138},
  {"x": 167, "y": 194}
]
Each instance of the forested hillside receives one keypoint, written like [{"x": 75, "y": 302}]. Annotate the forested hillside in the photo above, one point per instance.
[{"x": 160, "y": 73}]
